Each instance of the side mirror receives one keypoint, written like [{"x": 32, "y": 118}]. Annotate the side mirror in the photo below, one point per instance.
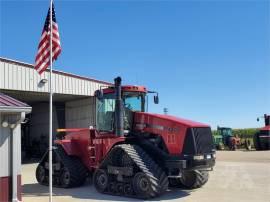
[
  {"x": 156, "y": 99},
  {"x": 258, "y": 119},
  {"x": 99, "y": 94}
]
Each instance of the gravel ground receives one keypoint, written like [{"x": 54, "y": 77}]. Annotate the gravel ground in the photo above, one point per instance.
[{"x": 239, "y": 176}]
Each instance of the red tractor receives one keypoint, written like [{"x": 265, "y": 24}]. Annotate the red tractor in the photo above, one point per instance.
[
  {"x": 261, "y": 139},
  {"x": 131, "y": 152}
]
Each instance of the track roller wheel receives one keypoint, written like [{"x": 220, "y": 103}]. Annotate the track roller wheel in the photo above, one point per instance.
[
  {"x": 65, "y": 178},
  {"x": 101, "y": 180},
  {"x": 128, "y": 189},
  {"x": 120, "y": 188},
  {"x": 142, "y": 186},
  {"x": 112, "y": 187},
  {"x": 41, "y": 175}
]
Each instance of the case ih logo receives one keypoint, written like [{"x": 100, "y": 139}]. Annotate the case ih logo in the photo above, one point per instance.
[{"x": 142, "y": 126}]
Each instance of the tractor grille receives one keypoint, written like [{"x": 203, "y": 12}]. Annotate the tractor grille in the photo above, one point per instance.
[
  {"x": 203, "y": 139},
  {"x": 198, "y": 141}
]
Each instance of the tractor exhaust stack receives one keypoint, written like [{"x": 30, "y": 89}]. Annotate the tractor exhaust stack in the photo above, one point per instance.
[
  {"x": 119, "y": 119},
  {"x": 267, "y": 120}
]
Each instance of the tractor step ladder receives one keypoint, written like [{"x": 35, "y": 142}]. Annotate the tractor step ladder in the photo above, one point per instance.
[{"x": 92, "y": 150}]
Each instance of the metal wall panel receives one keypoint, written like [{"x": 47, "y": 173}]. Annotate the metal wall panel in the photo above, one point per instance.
[
  {"x": 17, "y": 76},
  {"x": 39, "y": 123},
  {"x": 80, "y": 113}
]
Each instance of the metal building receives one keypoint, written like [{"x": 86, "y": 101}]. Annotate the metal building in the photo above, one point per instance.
[
  {"x": 12, "y": 114},
  {"x": 74, "y": 104}
]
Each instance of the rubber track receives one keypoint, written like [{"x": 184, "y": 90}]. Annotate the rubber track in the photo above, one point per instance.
[
  {"x": 201, "y": 179},
  {"x": 77, "y": 170},
  {"x": 157, "y": 177}
]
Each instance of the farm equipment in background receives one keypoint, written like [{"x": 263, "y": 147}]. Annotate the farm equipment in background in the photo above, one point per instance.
[
  {"x": 218, "y": 142},
  {"x": 261, "y": 139},
  {"x": 131, "y": 152},
  {"x": 225, "y": 138}
]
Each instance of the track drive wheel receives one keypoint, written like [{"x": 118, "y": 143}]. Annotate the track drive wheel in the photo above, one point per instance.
[
  {"x": 194, "y": 179},
  {"x": 128, "y": 189},
  {"x": 101, "y": 180},
  {"x": 142, "y": 186},
  {"x": 41, "y": 175}
]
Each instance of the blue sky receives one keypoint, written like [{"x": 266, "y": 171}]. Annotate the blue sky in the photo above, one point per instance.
[{"x": 209, "y": 60}]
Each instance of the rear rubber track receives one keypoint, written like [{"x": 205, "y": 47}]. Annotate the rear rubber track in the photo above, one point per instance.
[
  {"x": 78, "y": 172},
  {"x": 71, "y": 164}
]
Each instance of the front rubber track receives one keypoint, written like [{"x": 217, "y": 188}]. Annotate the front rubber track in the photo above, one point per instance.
[
  {"x": 157, "y": 177},
  {"x": 190, "y": 179}
]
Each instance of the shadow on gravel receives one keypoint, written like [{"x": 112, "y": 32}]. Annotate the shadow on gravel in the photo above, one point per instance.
[
  {"x": 172, "y": 194},
  {"x": 89, "y": 192}
]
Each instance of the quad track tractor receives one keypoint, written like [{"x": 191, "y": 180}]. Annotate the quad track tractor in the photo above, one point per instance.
[
  {"x": 131, "y": 152},
  {"x": 261, "y": 139}
]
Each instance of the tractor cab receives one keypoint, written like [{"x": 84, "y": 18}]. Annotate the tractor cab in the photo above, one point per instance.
[
  {"x": 133, "y": 99},
  {"x": 225, "y": 133}
]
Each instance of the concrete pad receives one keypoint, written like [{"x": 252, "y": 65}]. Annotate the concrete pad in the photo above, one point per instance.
[{"x": 238, "y": 176}]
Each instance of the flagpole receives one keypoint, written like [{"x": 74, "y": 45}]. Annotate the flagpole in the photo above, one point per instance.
[{"x": 51, "y": 109}]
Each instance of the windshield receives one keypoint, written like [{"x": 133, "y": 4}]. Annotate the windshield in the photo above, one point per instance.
[
  {"x": 227, "y": 132},
  {"x": 132, "y": 101}
]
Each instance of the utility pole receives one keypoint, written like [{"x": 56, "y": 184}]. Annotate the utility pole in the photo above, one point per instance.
[{"x": 165, "y": 111}]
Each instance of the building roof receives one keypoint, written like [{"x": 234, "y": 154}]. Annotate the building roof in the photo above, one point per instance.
[
  {"x": 9, "y": 104},
  {"x": 55, "y": 71}
]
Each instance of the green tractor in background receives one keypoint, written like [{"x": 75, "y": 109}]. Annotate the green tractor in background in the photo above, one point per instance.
[
  {"x": 225, "y": 139},
  {"x": 218, "y": 140}
]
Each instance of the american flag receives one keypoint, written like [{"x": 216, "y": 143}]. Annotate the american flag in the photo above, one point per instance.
[{"x": 43, "y": 55}]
